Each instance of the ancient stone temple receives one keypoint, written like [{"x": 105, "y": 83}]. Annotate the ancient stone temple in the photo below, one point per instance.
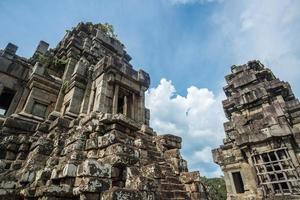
[
  {"x": 73, "y": 125},
  {"x": 260, "y": 155}
]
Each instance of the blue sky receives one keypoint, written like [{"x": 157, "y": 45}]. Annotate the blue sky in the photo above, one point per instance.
[{"x": 187, "y": 46}]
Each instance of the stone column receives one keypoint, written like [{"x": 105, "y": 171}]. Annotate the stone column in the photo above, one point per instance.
[
  {"x": 66, "y": 77},
  {"x": 23, "y": 99},
  {"x": 141, "y": 107},
  {"x": 88, "y": 91},
  {"x": 92, "y": 99},
  {"x": 115, "y": 100},
  {"x": 125, "y": 106},
  {"x": 86, "y": 97},
  {"x": 133, "y": 106}
]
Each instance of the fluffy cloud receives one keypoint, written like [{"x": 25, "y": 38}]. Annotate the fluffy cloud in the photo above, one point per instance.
[
  {"x": 266, "y": 30},
  {"x": 196, "y": 117},
  {"x": 242, "y": 30}
]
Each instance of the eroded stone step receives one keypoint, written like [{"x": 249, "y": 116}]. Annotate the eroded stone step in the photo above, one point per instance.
[
  {"x": 171, "y": 186},
  {"x": 171, "y": 179},
  {"x": 154, "y": 153},
  {"x": 171, "y": 194}
]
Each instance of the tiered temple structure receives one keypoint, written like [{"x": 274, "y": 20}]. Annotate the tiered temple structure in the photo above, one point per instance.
[
  {"x": 260, "y": 155},
  {"x": 73, "y": 125}
]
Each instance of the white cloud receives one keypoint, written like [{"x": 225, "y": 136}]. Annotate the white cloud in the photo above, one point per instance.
[
  {"x": 266, "y": 30},
  {"x": 202, "y": 155},
  {"x": 196, "y": 117}
]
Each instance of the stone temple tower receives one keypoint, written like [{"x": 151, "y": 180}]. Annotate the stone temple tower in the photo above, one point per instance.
[
  {"x": 73, "y": 126},
  {"x": 260, "y": 155}
]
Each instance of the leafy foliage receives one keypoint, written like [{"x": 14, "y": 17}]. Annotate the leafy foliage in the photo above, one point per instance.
[
  {"x": 106, "y": 28},
  {"x": 215, "y": 188},
  {"x": 52, "y": 62}
]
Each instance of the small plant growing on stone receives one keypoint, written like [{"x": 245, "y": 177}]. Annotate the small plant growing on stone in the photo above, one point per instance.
[
  {"x": 108, "y": 29},
  {"x": 52, "y": 62}
]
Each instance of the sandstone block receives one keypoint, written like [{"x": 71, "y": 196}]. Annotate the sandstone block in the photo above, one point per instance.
[
  {"x": 123, "y": 159},
  {"x": 118, "y": 148},
  {"x": 55, "y": 191},
  {"x": 112, "y": 137},
  {"x": 179, "y": 165},
  {"x": 172, "y": 153},
  {"x": 91, "y": 184},
  {"x": 93, "y": 154},
  {"x": 69, "y": 170},
  {"x": 121, "y": 194},
  {"x": 189, "y": 177},
  {"x": 152, "y": 171},
  {"x": 27, "y": 177},
  {"x": 193, "y": 187},
  {"x": 91, "y": 144},
  {"x": 8, "y": 184},
  {"x": 170, "y": 141},
  {"x": 94, "y": 168}
]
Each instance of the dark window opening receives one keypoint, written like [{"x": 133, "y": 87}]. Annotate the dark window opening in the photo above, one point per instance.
[
  {"x": 284, "y": 186},
  {"x": 265, "y": 157},
  {"x": 5, "y": 100},
  {"x": 275, "y": 186},
  {"x": 120, "y": 105},
  {"x": 269, "y": 168},
  {"x": 272, "y": 156},
  {"x": 238, "y": 182},
  {"x": 277, "y": 167},
  {"x": 281, "y": 154},
  {"x": 120, "y": 179},
  {"x": 39, "y": 109},
  {"x": 125, "y": 102},
  {"x": 280, "y": 176},
  {"x": 272, "y": 177}
]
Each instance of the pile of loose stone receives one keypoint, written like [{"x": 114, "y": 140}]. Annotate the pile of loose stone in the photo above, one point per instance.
[{"x": 99, "y": 156}]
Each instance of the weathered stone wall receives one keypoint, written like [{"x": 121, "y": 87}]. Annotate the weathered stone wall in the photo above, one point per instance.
[{"x": 259, "y": 156}]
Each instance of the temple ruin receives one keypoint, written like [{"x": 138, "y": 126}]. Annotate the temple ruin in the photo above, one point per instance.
[
  {"x": 260, "y": 155},
  {"x": 73, "y": 126}
]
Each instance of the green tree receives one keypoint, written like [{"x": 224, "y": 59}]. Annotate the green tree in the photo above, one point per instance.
[{"x": 215, "y": 188}]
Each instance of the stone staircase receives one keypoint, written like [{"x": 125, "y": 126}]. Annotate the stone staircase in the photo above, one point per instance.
[{"x": 171, "y": 187}]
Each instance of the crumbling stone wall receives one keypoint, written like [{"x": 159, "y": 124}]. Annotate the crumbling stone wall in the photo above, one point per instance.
[
  {"x": 260, "y": 155},
  {"x": 79, "y": 129}
]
